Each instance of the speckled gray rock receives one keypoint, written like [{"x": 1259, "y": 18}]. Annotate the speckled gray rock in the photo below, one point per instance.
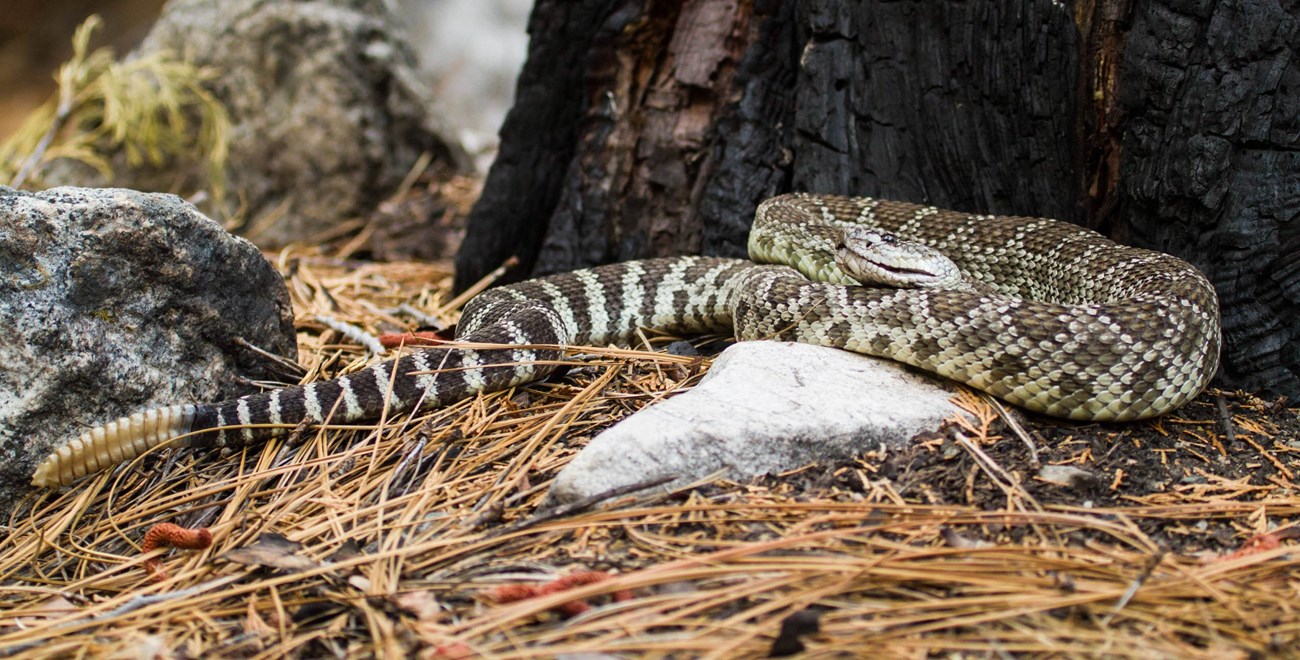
[
  {"x": 329, "y": 114},
  {"x": 113, "y": 300},
  {"x": 763, "y": 407}
]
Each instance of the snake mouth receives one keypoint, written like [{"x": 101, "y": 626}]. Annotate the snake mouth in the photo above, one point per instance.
[
  {"x": 850, "y": 255},
  {"x": 902, "y": 271},
  {"x": 875, "y": 265}
]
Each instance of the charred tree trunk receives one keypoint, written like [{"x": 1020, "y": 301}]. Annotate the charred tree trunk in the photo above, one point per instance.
[
  {"x": 655, "y": 127},
  {"x": 1209, "y": 166}
]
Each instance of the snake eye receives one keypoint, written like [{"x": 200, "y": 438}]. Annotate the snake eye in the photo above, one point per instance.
[{"x": 888, "y": 238}]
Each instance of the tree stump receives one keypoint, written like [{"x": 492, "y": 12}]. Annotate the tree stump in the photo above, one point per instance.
[{"x": 650, "y": 128}]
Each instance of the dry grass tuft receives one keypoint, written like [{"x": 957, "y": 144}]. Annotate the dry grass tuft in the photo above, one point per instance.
[
  {"x": 402, "y": 538},
  {"x": 152, "y": 108}
]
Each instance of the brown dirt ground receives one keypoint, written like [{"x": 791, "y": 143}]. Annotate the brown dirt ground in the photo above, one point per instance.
[{"x": 1184, "y": 455}]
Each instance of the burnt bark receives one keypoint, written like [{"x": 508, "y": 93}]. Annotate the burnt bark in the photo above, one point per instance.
[
  {"x": 639, "y": 129},
  {"x": 655, "y": 127},
  {"x": 1210, "y": 167}
]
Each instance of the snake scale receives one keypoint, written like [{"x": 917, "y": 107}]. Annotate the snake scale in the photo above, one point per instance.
[{"x": 1051, "y": 317}]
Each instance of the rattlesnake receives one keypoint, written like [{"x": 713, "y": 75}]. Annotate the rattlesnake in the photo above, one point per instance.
[{"x": 1045, "y": 315}]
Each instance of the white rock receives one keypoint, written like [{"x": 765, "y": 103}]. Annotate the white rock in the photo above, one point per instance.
[{"x": 763, "y": 407}]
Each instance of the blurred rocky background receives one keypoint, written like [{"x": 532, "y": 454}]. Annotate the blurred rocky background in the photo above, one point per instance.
[{"x": 469, "y": 50}]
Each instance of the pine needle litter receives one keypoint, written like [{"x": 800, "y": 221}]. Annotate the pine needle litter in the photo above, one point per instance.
[{"x": 424, "y": 535}]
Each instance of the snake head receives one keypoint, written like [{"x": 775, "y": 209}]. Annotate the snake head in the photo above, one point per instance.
[{"x": 873, "y": 257}]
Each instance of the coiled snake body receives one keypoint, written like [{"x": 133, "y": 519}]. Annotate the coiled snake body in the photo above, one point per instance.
[{"x": 1051, "y": 317}]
